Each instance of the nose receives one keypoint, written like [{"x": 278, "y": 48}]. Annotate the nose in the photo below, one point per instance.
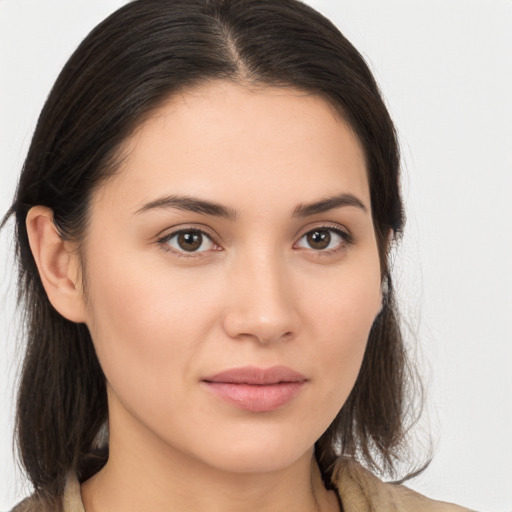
[{"x": 261, "y": 301}]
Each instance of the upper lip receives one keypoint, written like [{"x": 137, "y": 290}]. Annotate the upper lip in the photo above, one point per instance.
[{"x": 257, "y": 376}]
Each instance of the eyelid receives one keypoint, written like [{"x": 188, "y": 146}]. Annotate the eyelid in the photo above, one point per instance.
[
  {"x": 202, "y": 228},
  {"x": 341, "y": 231},
  {"x": 333, "y": 226},
  {"x": 167, "y": 234}
]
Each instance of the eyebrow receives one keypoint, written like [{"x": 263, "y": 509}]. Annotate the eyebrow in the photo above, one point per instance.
[
  {"x": 329, "y": 203},
  {"x": 213, "y": 209},
  {"x": 190, "y": 204}
]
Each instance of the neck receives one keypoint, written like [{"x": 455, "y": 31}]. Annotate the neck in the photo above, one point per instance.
[{"x": 150, "y": 475}]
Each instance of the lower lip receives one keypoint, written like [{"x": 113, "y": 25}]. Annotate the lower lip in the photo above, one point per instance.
[{"x": 256, "y": 398}]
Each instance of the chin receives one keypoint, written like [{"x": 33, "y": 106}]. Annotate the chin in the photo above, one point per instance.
[
  {"x": 250, "y": 463},
  {"x": 256, "y": 454}
]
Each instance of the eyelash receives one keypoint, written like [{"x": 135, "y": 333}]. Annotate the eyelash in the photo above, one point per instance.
[
  {"x": 347, "y": 239},
  {"x": 164, "y": 242}
]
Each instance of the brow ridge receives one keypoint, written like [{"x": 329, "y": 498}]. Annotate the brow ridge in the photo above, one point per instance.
[
  {"x": 191, "y": 204},
  {"x": 213, "y": 209},
  {"x": 329, "y": 203}
]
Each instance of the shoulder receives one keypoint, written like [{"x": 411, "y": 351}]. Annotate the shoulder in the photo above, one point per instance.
[
  {"x": 361, "y": 491},
  {"x": 70, "y": 501},
  {"x": 30, "y": 504}
]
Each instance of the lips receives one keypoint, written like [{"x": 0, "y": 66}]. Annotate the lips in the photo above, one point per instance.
[{"x": 256, "y": 389}]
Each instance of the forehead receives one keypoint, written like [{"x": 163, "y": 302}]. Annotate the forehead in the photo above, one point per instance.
[{"x": 227, "y": 140}]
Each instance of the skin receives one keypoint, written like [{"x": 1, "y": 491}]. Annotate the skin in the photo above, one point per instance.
[{"x": 256, "y": 292}]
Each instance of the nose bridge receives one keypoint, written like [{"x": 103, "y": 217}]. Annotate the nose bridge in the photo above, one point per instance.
[{"x": 261, "y": 304}]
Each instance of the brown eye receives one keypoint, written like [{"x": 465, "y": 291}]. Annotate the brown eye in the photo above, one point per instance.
[
  {"x": 323, "y": 239},
  {"x": 319, "y": 239},
  {"x": 190, "y": 241}
]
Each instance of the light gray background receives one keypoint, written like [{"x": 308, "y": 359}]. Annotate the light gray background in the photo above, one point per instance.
[{"x": 445, "y": 68}]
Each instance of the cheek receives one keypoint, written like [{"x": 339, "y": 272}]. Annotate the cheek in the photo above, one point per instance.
[
  {"x": 142, "y": 325},
  {"x": 342, "y": 317},
  {"x": 344, "y": 302}
]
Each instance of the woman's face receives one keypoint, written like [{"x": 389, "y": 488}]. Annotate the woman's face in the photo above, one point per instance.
[{"x": 232, "y": 277}]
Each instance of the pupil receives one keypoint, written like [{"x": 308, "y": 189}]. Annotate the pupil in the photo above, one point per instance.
[
  {"x": 190, "y": 241},
  {"x": 319, "y": 239}
]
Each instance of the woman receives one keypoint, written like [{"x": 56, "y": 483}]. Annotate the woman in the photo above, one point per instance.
[{"x": 203, "y": 224}]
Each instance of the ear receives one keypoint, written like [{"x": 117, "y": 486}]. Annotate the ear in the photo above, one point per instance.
[{"x": 57, "y": 263}]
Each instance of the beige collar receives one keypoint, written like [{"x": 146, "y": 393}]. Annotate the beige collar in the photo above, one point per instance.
[{"x": 361, "y": 491}]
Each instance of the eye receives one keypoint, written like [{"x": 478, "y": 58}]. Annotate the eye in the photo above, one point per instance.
[
  {"x": 323, "y": 239},
  {"x": 188, "y": 241}
]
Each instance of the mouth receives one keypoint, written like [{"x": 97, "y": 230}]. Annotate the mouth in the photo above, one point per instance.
[{"x": 256, "y": 389}]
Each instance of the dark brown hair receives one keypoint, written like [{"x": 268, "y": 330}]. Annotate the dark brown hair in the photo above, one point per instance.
[{"x": 126, "y": 67}]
